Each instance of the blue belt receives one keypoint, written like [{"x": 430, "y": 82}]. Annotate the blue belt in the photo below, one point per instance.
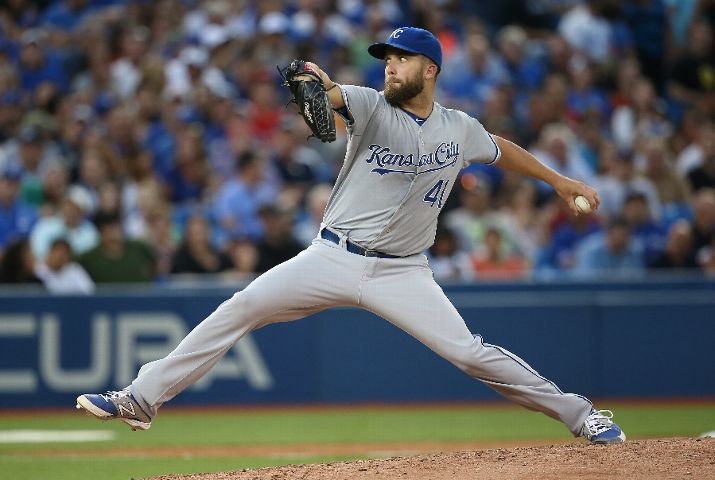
[{"x": 352, "y": 247}]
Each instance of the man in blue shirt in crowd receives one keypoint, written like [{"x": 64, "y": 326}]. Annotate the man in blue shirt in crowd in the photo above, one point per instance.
[{"x": 16, "y": 217}]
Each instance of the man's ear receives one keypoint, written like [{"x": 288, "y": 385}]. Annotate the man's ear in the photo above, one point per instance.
[{"x": 430, "y": 71}]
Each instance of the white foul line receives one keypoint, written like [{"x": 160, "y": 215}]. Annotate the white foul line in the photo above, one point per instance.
[{"x": 52, "y": 436}]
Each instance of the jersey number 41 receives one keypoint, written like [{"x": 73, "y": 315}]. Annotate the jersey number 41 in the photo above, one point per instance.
[{"x": 436, "y": 193}]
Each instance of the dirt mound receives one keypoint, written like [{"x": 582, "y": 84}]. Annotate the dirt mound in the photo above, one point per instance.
[{"x": 674, "y": 458}]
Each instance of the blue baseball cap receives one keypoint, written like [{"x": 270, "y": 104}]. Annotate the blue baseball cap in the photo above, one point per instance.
[{"x": 413, "y": 40}]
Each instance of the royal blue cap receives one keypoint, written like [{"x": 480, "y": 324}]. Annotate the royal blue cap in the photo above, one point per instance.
[{"x": 410, "y": 39}]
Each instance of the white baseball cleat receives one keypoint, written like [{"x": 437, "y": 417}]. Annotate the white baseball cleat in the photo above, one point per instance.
[{"x": 600, "y": 429}]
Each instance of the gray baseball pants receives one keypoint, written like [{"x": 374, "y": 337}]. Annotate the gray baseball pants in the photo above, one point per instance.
[{"x": 400, "y": 290}]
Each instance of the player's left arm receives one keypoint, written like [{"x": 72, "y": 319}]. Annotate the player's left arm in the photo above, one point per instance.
[{"x": 516, "y": 159}]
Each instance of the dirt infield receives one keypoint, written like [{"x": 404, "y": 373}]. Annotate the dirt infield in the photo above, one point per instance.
[{"x": 664, "y": 459}]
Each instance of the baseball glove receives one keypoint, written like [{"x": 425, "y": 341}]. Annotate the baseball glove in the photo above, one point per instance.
[{"x": 311, "y": 98}]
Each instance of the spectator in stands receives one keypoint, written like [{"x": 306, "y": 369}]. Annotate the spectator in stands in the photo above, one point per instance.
[
  {"x": 589, "y": 133},
  {"x": 112, "y": 95},
  {"x": 642, "y": 118},
  {"x": 264, "y": 112},
  {"x": 558, "y": 54},
  {"x": 706, "y": 259},
  {"x": 447, "y": 261},
  {"x": 91, "y": 176},
  {"x": 673, "y": 191},
  {"x": 308, "y": 223},
  {"x": 587, "y": 29},
  {"x": 523, "y": 72},
  {"x": 491, "y": 263},
  {"x": 40, "y": 69},
  {"x": 60, "y": 274},
  {"x": 196, "y": 254},
  {"x": 687, "y": 83},
  {"x": 545, "y": 107},
  {"x": 618, "y": 180},
  {"x": 17, "y": 218},
  {"x": 17, "y": 13},
  {"x": 116, "y": 259},
  {"x": 297, "y": 164},
  {"x": 189, "y": 177},
  {"x": 71, "y": 223},
  {"x": 585, "y": 98},
  {"x": 66, "y": 14},
  {"x": 161, "y": 235},
  {"x": 648, "y": 233},
  {"x": 109, "y": 198},
  {"x": 126, "y": 71},
  {"x": 557, "y": 149},
  {"x": 557, "y": 257},
  {"x": 121, "y": 144},
  {"x": 97, "y": 77},
  {"x": 703, "y": 225},
  {"x": 10, "y": 108},
  {"x": 31, "y": 155},
  {"x": 704, "y": 175},
  {"x": 141, "y": 191},
  {"x": 628, "y": 73},
  {"x": 237, "y": 202},
  {"x": 54, "y": 187},
  {"x": 17, "y": 264},
  {"x": 702, "y": 147},
  {"x": 187, "y": 73},
  {"x": 678, "y": 252},
  {"x": 473, "y": 218},
  {"x": 525, "y": 222},
  {"x": 278, "y": 243},
  {"x": 273, "y": 34},
  {"x": 648, "y": 24},
  {"x": 472, "y": 74},
  {"x": 244, "y": 256},
  {"x": 74, "y": 120},
  {"x": 681, "y": 14},
  {"x": 219, "y": 110},
  {"x": 614, "y": 253}
]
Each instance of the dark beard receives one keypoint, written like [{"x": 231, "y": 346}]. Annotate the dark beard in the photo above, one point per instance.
[{"x": 406, "y": 91}]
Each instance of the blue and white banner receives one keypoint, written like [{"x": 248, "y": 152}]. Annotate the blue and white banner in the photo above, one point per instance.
[{"x": 594, "y": 340}]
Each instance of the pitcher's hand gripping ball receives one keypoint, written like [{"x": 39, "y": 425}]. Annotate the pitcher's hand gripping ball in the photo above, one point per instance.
[
  {"x": 582, "y": 204},
  {"x": 312, "y": 100}
]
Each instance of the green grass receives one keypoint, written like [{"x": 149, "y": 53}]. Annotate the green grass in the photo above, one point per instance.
[{"x": 286, "y": 427}]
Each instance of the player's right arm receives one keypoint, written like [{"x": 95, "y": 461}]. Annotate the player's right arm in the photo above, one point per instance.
[{"x": 516, "y": 159}]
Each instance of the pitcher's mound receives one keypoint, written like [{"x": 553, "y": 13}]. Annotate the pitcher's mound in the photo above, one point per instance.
[{"x": 673, "y": 458}]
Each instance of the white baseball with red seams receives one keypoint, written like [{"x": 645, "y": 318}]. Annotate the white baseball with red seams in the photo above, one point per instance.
[{"x": 582, "y": 204}]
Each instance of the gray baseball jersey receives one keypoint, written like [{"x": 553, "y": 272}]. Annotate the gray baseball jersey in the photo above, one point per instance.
[{"x": 399, "y": 172}]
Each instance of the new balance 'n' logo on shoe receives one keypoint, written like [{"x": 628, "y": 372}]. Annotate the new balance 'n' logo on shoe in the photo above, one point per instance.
[
  {"x": 115, "y": 405},
  {"x": 599, "y": 428}
]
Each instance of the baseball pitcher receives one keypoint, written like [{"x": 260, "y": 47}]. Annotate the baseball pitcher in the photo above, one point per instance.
[{"x": 404, "y": 153}]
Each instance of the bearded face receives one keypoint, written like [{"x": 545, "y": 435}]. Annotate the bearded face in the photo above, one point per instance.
[{"x": 398, "y": 92}]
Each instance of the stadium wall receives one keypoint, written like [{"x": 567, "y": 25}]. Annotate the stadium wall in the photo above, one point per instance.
[{"x": 650, "y": 339}]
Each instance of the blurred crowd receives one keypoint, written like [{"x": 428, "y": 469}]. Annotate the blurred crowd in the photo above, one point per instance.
[{"x": 142, "y": 139}]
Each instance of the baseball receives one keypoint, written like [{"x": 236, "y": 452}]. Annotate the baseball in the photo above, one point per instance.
[{"x": 582, "y": 204}]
